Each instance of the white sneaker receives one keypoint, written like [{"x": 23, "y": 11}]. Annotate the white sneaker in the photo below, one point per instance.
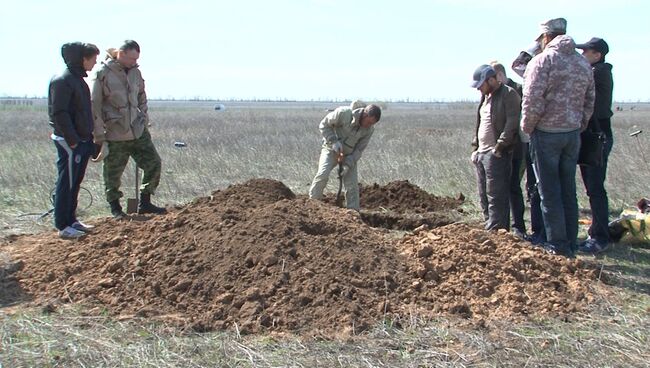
[
  {"x": 80, "y": 226},
  {"x": 70, "y": 233}
]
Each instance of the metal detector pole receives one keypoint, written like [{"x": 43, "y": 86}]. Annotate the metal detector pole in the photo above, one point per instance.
[{"x": 636, "y": 135}]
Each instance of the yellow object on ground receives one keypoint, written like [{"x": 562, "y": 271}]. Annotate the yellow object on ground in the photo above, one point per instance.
[{"x": 637, "y": 223}]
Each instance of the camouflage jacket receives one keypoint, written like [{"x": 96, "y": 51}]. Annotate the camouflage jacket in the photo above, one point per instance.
[
  {"x": 343, "y": 124},
  {"x": 559, "y": 91},
  {"x": 119, "y": 103}
]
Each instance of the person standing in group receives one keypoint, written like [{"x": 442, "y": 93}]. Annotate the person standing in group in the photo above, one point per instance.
[
  {"x": 517, "y": 205},
  {"x": 594, "y": 176},
  {"x": 71, "y": 118},
  {"x": 349, "y": 131},
  {"x": 537, "y": 232},
  {"x": 496, "y": 136},
  {"x": 121, "y": 118},
  {"x": 557, "y": 103}
]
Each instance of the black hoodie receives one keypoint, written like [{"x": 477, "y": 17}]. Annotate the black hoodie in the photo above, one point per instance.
[
  {"x": 603, "y": 105},
  {"x": 68, "y": 98}
]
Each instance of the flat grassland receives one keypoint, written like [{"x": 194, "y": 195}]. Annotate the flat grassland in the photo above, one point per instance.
[{"x": 428, "y": 144}]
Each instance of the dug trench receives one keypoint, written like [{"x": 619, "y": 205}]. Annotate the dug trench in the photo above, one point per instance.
[{"x": 256, "y": 258}]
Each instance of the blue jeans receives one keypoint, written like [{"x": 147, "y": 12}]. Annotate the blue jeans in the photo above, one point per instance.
[
  {"x": 493, "y": 176},
  {"x": 594, "y": 180},
  {"x": 555, "y": 157}
]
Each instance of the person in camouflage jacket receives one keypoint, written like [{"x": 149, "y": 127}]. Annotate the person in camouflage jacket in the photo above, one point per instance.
[
  {"x": 121, "y": 118},
  {"x": 558, "y": 100}
]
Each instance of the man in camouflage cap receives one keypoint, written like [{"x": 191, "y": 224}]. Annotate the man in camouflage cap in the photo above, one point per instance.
[
  {"x": 121, "y": 118},
  {"x": 558, "y": 100}
]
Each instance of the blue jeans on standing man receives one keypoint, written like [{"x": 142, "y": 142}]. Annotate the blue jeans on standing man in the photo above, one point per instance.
[{"x": 555, "y": 156}]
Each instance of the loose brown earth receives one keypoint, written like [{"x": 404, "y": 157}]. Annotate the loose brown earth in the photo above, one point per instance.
[{"x": 255, "y": 258}]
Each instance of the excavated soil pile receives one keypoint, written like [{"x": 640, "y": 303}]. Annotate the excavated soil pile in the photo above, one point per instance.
[
  {"x": 400, "y": 205},
  {"x": 402, "y": 196},
  {"x": 250, "y": 255},
  {"x": 254, "y": 258},
  {"x": 473, "y": 272}
]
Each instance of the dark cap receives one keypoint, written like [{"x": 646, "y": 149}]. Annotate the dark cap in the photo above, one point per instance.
[
  {"x": 481, "y": 74},
  {"x": 596, "y": 44}
]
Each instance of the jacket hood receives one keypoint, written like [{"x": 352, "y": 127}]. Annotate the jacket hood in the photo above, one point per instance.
[
  {"x": 564, "y": 44},
  {"x": 72, "y": 54},
  {"x": 111, "y": 53},
  {"x": 111, "y": 60}
]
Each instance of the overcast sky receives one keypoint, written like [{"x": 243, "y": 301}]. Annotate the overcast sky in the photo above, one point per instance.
[{"x": 314, "y": 49}]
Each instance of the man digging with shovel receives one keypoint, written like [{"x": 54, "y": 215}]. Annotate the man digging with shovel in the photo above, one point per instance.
[{"x": 346, "y": 132}]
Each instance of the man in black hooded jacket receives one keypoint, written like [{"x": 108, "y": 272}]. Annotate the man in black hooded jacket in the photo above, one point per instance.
[
  {"x": 594, "y": 176},
  {"x": 71, "y": 118}
]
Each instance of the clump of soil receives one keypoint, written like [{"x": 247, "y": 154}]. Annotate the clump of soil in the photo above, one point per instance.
[
  {"x": 403, "y": 197},
  {"x": 255, "y": 258}
]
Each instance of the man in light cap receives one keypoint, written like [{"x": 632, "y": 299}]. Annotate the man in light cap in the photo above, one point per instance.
[
  {"x": 496, "y": 136},
  {"x": 593, "y": 177},
  {"x": 557, "y": 103}
]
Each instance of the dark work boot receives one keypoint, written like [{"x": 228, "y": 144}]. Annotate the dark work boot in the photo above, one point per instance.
[
  {"x": 146, "y": 206},
  {"x": 116, "y": 210}
]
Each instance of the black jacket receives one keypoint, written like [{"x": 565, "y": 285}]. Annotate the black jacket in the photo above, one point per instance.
[
  {"x": 68, "y": 100},
  {"x": 603, "y": 105}
]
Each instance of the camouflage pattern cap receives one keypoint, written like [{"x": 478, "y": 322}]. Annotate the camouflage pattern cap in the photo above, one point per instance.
[{"x": 555, "y": 25}]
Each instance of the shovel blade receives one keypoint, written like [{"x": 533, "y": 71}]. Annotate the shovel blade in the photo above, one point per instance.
[{"x": 131, "y": 205}]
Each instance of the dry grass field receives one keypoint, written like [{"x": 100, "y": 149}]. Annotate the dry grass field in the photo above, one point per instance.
[{"x": 427, "y": 143}]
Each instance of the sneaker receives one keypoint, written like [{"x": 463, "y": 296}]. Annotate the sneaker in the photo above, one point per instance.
[
  {"x": 519, "y": 234},
  {"x": 70, "y": 233},
  {"x": 591, "y": 246},
  {"x": 80, "y": 226},
  {"x": 536, "y": 239},
  {"x": 557, "y": 251}
]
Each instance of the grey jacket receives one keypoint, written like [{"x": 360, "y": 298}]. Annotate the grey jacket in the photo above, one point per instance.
[{"x": 343, "y": 124}]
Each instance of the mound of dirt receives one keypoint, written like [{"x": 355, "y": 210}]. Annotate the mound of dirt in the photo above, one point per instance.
[
  {"x": 476, "y": 273},
  {"x": 403, "y": 197},
  {"x": 255, "y": 258}
]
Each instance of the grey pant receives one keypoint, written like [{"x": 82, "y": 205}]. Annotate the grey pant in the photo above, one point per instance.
[
  {"x": 326, "y": 163},
  {"x": 493, "y": 176}
]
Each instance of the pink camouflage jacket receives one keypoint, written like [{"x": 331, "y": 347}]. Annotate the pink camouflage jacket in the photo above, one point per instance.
[{"x": 559, "y": 90}]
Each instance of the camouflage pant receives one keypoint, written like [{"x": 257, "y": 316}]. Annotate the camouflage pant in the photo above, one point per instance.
[{"x": 146, "y": 157}]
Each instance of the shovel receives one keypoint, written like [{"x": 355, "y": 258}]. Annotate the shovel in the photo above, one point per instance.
[
  {"x": 339, "y": 197},
  {"x": 132, "y": 203}
]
